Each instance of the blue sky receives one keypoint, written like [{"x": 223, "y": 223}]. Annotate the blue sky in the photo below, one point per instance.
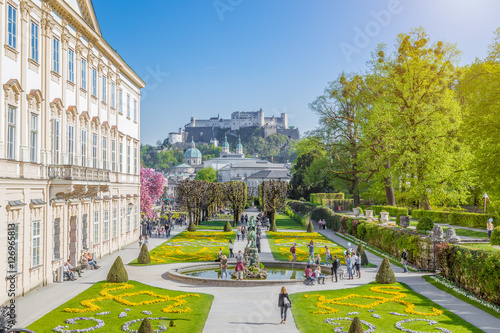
[{"x": 202, "y": 58}]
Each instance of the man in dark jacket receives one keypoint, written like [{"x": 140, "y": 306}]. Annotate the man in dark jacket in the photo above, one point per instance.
[
  {"x": 404, "y": 260},
  {"x": 335, "y": 266}
]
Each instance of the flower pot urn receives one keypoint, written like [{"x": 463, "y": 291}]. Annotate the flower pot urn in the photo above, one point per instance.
[
  {"x": 384, "y": 217},
  {"x": 355, "y": 212},
  {"x": 369, "y": 214}
]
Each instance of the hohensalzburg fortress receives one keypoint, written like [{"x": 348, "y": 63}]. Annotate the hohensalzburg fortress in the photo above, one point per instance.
[{"x": 241, "y": 119}]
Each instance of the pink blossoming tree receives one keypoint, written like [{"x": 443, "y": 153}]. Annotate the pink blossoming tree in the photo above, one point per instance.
[{"x": 151, "y": 190}]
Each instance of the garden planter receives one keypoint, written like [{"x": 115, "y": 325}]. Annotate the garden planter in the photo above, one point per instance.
[{"x": 384, "y": 217}]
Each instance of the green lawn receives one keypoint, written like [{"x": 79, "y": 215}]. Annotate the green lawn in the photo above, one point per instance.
[
  {"x": 286, "y": 222},
  {"x": 188, "y": 317},
  {"x": 397, "y": 298},
  {"x": 460, "y": 296},
  {"x": 280, "y": 243},
  {"x": 481, "y": 246},
  {"x": 191, "y": 246},
  {"x": 212, "y": 225}
]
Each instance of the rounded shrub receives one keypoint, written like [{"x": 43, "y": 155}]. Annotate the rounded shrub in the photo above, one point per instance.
[
  {"x": 145, "y": 327},
  {"x": 310, "y": 227},
  {"x": 360, "y": 250},
  {"x": 425, "y": 224},
  {"x": 144, "y": 257},
  {"x": 192, "y": 226},
  {"x": 117, "y": 273},
  {"x": 356, "y": 326},
  {"x": 385, "y": 274},
  {"x": 495, "y": 236},
  {"x": 227, "y": 227}
]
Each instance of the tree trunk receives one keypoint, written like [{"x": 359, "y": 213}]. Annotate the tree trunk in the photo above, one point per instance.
[
  {"x": 389, "y": 189},
  {"x": 424, "y": 203},
  {"x": 355, "y": 191}
]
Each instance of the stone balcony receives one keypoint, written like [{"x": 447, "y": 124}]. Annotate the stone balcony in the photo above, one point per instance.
[{"x": 77, "y": 173}]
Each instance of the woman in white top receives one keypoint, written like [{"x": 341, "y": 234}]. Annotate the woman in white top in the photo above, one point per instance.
[{"x": 318, "y": 275}]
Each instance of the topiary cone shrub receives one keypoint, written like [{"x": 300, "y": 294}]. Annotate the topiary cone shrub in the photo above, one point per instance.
[
  {"x": 385, "y": 274},
  {"x": 227, "y": 227},
  {"x": 495, "y": 236},
  {"x": 273, "y": 227},
  {"x": 172, "y": 324},
  {"x": 144, "y": 257},
  {"x": 145, "y": 327},
  {"x": 310, "y": 227},
  {"x": 356, "y": 326},
  {"x": 117, "y": 273},
  {"x": 361, "y": 251},
  {"x": 192, "y": 227}
]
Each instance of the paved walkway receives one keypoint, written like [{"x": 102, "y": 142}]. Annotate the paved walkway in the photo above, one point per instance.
[
  {"x": 473, "y": 315},
  {"x": 236, "y": 309}
]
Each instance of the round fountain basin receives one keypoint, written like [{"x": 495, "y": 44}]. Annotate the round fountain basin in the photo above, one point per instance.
[{"x": 278, "y": 273}]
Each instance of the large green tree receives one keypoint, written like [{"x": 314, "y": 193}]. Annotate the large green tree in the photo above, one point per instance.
[
  {"x": 236, "y": 193},
  {"x": 208, "y": 174},
  {"x": 418, "y": 106}
]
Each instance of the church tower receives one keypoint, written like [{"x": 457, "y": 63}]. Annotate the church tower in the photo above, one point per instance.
[
  {"x": 239, "y": 147},
  {"x": 225, "y": 146}
]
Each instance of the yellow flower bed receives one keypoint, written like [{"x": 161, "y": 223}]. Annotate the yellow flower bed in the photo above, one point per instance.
[
  {"x": 90, "y": 306},
  {"x": 205, "y": 245},
  {"x": 284, "y": 240},
  {"x": 398, "y": 298}
]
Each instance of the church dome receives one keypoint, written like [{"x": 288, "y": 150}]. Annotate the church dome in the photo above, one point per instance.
[
  {"x": 239, "y": 145},
  {"x": 225, "y": 144},
  {"x": 192, "y": 152}
]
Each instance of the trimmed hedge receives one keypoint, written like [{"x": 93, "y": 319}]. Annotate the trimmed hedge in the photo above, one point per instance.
[
  {"x": 302, "y": 212},
  {"x": 471, "y": 220},
  {"x": 392, "y": 241},
  {"x": 393, "y": 211},
  {"x": 317, "y": 198},
  {"x": 495, "y": 236},
  {"x": 474, "y": 270}
]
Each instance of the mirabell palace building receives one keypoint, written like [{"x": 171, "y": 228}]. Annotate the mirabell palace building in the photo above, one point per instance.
[{"x": 69, "y": 141}]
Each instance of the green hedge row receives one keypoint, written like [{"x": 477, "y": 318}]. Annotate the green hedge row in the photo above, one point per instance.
[
  {"x": 474, "y": 270},
  {"x": 471, "y": 220},
  {"x": 305, "y": 210},
  {"x": 318, "y": 198},
  {"x": 390, "y": 240},
  {"x": 393, "y": 211}
]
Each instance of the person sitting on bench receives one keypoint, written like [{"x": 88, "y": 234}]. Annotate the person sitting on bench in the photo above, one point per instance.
[
  {"x": 68, "y": 273},
  {"x": 74, "y": 269}
]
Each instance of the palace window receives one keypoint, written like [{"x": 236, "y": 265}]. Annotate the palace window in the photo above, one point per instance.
[
  {"x": 57, "y": 239},
  {"x": 115, "y": 226},
  {"x": 34, "y": 139},
  {"x": 94, "y": 82},
  {"x": 96, "y": 227},
  {"x": 55, "y": 55},
  {"x": 71, "y": 143},
  {"x": 104, "y": 153},
  {"x": 84, "y": 74},
  {"x": 34, "y": 41},
  {"x": 113, "y": 155},
  {"x": 12, "y": 26},
  {"x": 71, "y": 66},
  {"x": 122, "y": 212},
  {"x": 56, "y": 140},
  {"x": 128, "y": 106},
  {"x": 136, "y": 224},
  {"x": 94, "y": 150},
  {"x": 35, "y": 248},
  {"x": 121, "y": 157},
  {"x": 84, "y": 231},
  {"x": 104, "y": 87},
  {"x": 128, "y": 219},
  {"x": 113, "y": 95},
  {"x": 135, "y": 110},
  {"x": 128, "y": 158},
  {"x": 84, "y": 147},
  {"x": 11, "y": 132},
  {"x": 135, "y": 161},
  {"x": 106, "y": 225},
  {"x": 120, "y": 101}
]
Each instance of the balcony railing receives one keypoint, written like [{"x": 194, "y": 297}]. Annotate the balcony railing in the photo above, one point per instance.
[{"x": 73, "y": 172}]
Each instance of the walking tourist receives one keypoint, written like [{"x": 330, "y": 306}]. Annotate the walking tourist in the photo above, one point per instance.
[
  {"x": 358, "y": 265},
  {"x": 240, "y": 268},
  {"x": 243, "y": 231},
  {"x": 284, "y": 303},
  {"x": 354, "y": 258},
  {"x": 311, "y": 251},
  {"x": 238, "y": 233},
  {"x": 335, "y": 267},
  {"x": 404, "y": 260},
  {"x": 328, "y": 256},
  {"x": 223, "y": 267},
  {"x": 349, "y": 264},
  {"x": 146, "y": 241},
  {"x": 257, "y": 243},
  {"x": 140, "y": 241},
  {"x": 489, "y": 227},
  {"x": 231, "y": 246},
  {"x": 292, "y": 251}
]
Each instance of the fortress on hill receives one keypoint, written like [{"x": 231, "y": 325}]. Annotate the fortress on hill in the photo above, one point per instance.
[{"x": 207, "y": 130}]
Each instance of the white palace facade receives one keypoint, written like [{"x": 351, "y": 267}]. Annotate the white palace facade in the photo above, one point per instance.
[{"x": 69, "y": 140}]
